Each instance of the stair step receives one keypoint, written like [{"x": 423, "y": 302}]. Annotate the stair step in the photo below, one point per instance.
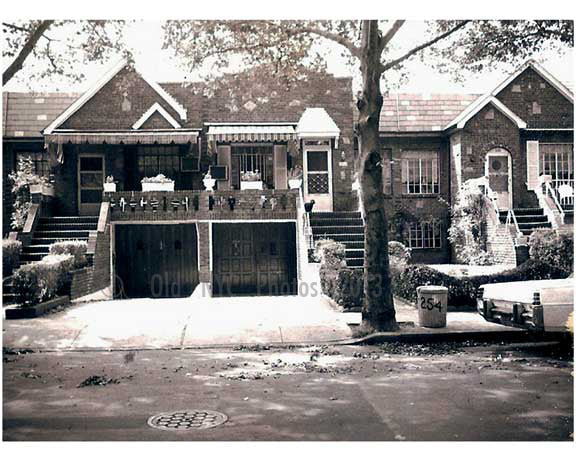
[
  {"x": 354, "y": 253},
  {"x": 336, "y": 222},
  {"x": 338, "y": 230},
  {"x": 525, "y": 211},
  {"x": 335, "y": 214},
  {"x": 65, "y": 226},
  {"x": 358, "y": 244},
  {"x": 36, "y": 249},
  {"x": 533, "y": 225},
  {"x": 50, "y": 240},
  {"x": 531, "y": 218},
  {"x": 69, "y": 219},
  {"x": 341, "y": 237},
  {"x": 70, "y": 234},
  {"x": 355, "y": 262}
]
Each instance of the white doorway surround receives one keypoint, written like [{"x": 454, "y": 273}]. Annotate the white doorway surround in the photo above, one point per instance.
[
  {"x": 498, "y": 171},
  {"x": 319, "y": 134}
]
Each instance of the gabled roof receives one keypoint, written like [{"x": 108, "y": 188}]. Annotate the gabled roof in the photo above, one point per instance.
[
  {"x": 478, "y": 105},
  {"x": 151, "y": 111},
  {"x": 25, "y": 115},
  {"x": 315, "y": 122},
  {"x": 421, "y": 112},
  {"x": 561, "y": 87},
  {"x": 109, "y": 75}
]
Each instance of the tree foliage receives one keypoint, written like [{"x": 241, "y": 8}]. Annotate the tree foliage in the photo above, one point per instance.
[{"x": 50, "y": 48}]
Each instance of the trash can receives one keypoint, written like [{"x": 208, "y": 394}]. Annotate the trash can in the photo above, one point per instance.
[{"x": 432, "y": 306}]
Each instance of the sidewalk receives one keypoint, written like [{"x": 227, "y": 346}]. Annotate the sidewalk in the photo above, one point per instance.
[{"x": 207, "y": 322}]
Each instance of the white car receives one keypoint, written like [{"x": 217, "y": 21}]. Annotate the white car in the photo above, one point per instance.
[{"x": 541, "y": 305}]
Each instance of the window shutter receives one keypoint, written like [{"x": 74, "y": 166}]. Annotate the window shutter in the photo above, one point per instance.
[
  {"x": 532, "y": 162},
  {"x": 224, "y": 158},
  {"x": 280, "y": 167}
]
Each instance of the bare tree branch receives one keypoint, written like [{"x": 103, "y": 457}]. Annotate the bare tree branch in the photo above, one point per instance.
[
  {"x": 29, "y": 45},
  {"x": 388, "y": 36},
  {"x": 395, "y": 62}
]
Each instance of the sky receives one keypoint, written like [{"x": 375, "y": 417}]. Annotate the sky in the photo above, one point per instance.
[{"x": 144, "y": 38}]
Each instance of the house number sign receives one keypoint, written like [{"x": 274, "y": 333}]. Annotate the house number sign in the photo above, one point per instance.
[{"x": 428, "y": 303}]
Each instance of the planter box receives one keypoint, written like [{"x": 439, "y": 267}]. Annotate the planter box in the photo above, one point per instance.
[
  {"x": 158, "y": 186},
  {"x": 42, "y": 189},
  {"x": 109, "y": 187},
  {"x": 294, "y": 183},
  {"x": 251, "y": 185},
  {"x": 37, "y": 310}
]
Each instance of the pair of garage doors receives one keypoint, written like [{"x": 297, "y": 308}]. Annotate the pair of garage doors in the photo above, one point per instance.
[{"x": 161, "y": 260}]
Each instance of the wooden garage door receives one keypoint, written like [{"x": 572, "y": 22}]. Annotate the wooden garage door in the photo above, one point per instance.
[
  {"x": 254, "y": 259},
  {"x": 156, "y": 260}
]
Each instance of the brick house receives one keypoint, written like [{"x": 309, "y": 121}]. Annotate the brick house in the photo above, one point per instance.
[
  {"x": 519, "y": 137},
  {"x": 248, "y": 132},
  {"x": 251, "y": 234}
]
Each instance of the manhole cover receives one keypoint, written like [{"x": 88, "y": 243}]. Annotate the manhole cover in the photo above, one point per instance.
[{"x": 187, "y": 419}]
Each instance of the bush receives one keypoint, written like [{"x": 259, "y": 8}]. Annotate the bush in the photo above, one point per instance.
[
  {"x": 76, "y": 248},
  {"x": 38, "y": 282},
  {"x": 11, "y": 250},
  {"x": 398, "y": 252},
  {"x": 344, "y": 285},
  {"x": 462, "y": 291},
  {"x": 330, "y": 253},
  {"x": 555, "y": 249}
]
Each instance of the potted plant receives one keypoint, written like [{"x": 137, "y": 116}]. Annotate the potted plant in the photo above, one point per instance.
[
  {"x": 295, "y": 177},
  {"x": 209, "y": 182},
  {"x": 110, "y": 185},
  {"x": 159, "y": 183},
  {"x": 250, "y": 180}
]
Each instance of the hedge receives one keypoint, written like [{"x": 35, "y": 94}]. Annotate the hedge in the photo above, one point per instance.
[
  {"x": 76, "y": 248},
  {"x": 555, "y": 249},
  {"x": 11, "y": 250},
  {"x": 345, "y": 286},
  {"x": 43, "y": 280},
  {"x": 462, "y": 291}
]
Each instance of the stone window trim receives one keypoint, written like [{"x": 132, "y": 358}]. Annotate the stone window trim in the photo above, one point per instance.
[{"x": 424, "y": 235}]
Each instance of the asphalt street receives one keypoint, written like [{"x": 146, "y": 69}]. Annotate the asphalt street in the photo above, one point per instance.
[{"x": 446, "y": 391}]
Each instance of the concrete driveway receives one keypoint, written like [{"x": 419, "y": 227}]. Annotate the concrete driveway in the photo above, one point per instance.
[{"x": 180, "y": 323}]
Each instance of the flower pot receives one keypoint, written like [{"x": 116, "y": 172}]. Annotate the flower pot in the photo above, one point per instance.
[
  {"x": 209, "y": 184},
  {"x": 294, "y": 183},
  {"x": 251, "y": 185},
  {"x": 158, "y": 186},
  {"x": 109, "y": 187}
]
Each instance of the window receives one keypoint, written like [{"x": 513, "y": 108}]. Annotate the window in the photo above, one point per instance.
[
  {"x": 424, "y": 235},
  {"x": 420, "y": 172},
  {"x": 387, "y": 171},
  {"x": 253, "y": 158},
  {"x": 536, "y": 109},
  {"x": 557, "y": 160},
  {"x": 40, "y": 163},
  {"x": 157, "y": 159}
]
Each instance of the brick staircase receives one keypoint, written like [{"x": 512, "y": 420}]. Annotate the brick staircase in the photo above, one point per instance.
[
  {"x": 568, "y": 214},
  {"x": 48, "y": 231},
  {"x": 528, "y": 219},
  {"x": 346, "y": 227}
]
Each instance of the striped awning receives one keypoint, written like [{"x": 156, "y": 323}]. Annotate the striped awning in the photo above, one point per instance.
[
  {"x": 251, "y": 133},
  {"x": 179, "y": 137}
]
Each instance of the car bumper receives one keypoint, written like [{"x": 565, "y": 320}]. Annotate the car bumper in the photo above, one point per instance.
[{"x": 523, "y": 316}]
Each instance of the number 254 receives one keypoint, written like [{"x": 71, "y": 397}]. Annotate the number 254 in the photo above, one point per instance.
[{"x": 430, "y": 304}]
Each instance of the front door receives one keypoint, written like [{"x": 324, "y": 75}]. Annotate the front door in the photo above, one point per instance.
[
  {"x": 318, "y": 177},
  {"x": 91, "y": 176},
  {"x": 498, "y": 165}
]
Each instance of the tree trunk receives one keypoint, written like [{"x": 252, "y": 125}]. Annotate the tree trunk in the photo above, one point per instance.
[{"x": 378, "y": 309}]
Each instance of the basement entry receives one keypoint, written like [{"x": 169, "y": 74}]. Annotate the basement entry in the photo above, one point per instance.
[
  {"x": 155, "y": 260},
  {"x": 187, "y": 419},
  {"x": 255, "y": 259}
]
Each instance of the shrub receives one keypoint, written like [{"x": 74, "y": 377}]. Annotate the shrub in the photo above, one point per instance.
[
  {"x": 555, "y": 249},
  {"x": 76, "y": 248},
  {"x": 11, "y": 250},
  {"x": 43, "y": 280},
  {"x": 344, "y": 285},
  {"x": 399, "y": 252},
  {"x": 462, "y": 291},
  {"x": 330, "y": 253}
]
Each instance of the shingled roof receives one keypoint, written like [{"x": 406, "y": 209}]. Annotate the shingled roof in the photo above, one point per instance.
[
  {"x": 421, "y": 112},
  {"x": 27, "y": 114}
]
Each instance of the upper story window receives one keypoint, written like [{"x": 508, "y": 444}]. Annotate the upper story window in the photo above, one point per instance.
[
  {"x": 536, "y": 108},
  {"x": 420, "y": 172},
  {"x": 158, "y": 159},
  {"x": 39, "y": 161},
  {"x": 424, "y": 235}
]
